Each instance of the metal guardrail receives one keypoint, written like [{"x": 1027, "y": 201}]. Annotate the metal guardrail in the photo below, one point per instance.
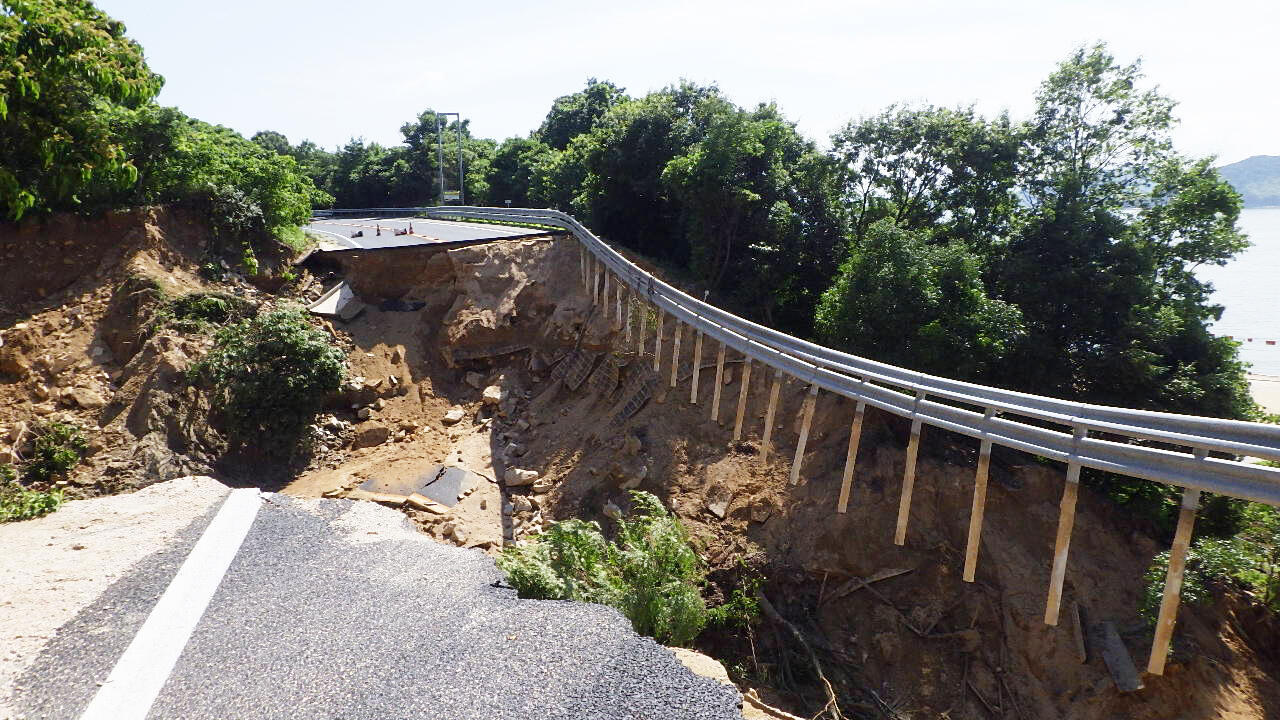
[
  {"x": 863, "y": 379},
  {"x": 1122, "y": 443}
]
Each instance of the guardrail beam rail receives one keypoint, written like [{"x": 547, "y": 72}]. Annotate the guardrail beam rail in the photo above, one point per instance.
[{"x": 1111, "y": 439}]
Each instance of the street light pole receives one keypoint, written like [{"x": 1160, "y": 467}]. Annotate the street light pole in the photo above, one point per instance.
[
  {"x": 440, "y": 149},
  {"x": 462, "y": 179},
  {"x": 440, "y": 155}
]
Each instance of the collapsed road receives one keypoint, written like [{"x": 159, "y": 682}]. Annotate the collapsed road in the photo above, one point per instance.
[
  {"x": 268, "y": 606},
  {"x": 379, "y": 233}
]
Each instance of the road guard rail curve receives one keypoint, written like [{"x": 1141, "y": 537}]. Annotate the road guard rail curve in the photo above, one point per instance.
[{"x": 1163, "y": 447}]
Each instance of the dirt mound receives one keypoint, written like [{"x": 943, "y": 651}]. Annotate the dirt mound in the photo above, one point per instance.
[{"x": 78, "y": 302}]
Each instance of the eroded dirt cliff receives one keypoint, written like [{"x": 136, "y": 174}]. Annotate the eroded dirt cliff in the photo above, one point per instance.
[{"x": 494, "y": 359}]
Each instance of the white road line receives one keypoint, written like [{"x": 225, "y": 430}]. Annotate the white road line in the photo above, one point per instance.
[
  {"x": 348, "y": 241},
  {"x": 142, "y": 670}
]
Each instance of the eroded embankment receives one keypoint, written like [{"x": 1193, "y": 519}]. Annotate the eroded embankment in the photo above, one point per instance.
[
  {"x": 505, "y": 365},
  {"x": 570, "y": 399}
]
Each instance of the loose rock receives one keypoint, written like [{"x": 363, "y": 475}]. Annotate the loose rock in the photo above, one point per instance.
[
  {"x": 454, "y": 416},
  {"x": 516, "y": 477},
  {"x": 718, "y": 504},
  {"x": 631, "y": 445},
  {"x": 371, "y": 435}
]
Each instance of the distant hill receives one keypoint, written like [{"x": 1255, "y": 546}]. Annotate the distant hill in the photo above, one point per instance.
[{"x": 1256, "y": 178}]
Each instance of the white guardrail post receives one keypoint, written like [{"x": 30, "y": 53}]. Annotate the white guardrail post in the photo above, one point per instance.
[{"x": 1162, "y": 447}]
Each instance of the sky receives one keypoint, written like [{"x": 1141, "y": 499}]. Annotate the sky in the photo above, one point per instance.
[{"x": 329, "y": 71}]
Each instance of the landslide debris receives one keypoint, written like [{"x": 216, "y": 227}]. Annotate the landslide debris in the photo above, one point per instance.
[
  {"x": 494, "y": 360},
  {"x": 100, "y": 321},
  {"x": 508, "y": 370}
]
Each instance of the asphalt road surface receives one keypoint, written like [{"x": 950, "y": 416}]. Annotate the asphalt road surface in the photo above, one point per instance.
[
  {"x": 335, "y": 609},
  {"x": 425, "y": 231}
]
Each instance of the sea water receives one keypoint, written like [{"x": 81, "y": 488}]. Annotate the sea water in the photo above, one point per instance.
[{"x": 1248, "y": 288}]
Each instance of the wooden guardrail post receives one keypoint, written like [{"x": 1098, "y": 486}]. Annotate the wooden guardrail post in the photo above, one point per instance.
[
  {"x": 715, "y": 392},
  {"x": 631, "y": 300},
  {"x": 675, "y": 353},
  {"x": 621, "y": 286},
  {"x": 1173, "y": 580},
  {"x": 1066, "y": 521},
  {"x": 697, "y": 367},
  {"x": 809, "y": 401},
  {"x": 582, "y": 257},
  {"x": 657, "y": 343},
  {"x": 742, "y": 398},
  {"x": 643, "y": 317},
  {"x": 604, "y": 296},
  {"x": 851, "y": 457},
  {"x": 979, "y": 505},
  {"x": 595, "y": 282},
  {"x": 909, "y": 475},
  {"x": 768, "y": 416}
]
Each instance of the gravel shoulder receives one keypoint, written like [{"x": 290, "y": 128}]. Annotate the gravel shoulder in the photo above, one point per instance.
[{"x": 59, "y": 566}]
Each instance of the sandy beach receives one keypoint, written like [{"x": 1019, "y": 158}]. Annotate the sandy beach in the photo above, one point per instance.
[{"x": 1266, "y": 391}]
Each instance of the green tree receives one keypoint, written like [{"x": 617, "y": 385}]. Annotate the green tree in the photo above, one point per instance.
[
  {"x": 901, "y": 298},
  {"x": 248, "y": 192},
  {"x": 1101, "y": 265},
  {"x": 273, "y": 141},
  {"x": 514, "y": 168},
  {"x": 948, "y": 171},
  {"x": 61, "y": 63},
  {"x": 743, "y": 194},
  {"x": 575, "y": 114},
  {"x": 622, "y": 159},
  {"x": 316, "y": 163}
]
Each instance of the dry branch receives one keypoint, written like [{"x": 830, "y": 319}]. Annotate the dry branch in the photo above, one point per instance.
[{"x": 770, "y": 612}]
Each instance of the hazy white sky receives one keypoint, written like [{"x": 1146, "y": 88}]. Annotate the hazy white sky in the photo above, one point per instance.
[{"x": 328, "y": 70}]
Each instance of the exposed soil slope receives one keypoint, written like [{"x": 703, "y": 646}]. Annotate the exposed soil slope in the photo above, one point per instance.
[
  {"x": 78, "y": 304},
  {"x": 926, "y": 642},
  {"x": 506, "y": 369}
]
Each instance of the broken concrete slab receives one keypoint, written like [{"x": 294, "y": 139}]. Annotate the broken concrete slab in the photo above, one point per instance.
[
  {"x": 418, "y": 501},
  {"x": 379, "y": 497},
  {"x": 438, "y": 484},
  {"x": 339, "y": 302}
]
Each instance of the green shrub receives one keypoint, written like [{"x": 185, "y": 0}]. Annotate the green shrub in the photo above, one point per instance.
[
  {"x": 1249, "y": 560},
  {"x": 19, "y": 503},
  {"x": 294, "y": 238},
  {"x": 212, "y": 270},
  {"x": 58, "y": 448},
  {"x": 649, "y": 572},
  {"x": 7, "y": 474},
  {"x": 270, "y": 375},
  {"x": 197, "y": 312},
  {"x": 249, "y": 259},
  {"x": 742, "y": 609}
]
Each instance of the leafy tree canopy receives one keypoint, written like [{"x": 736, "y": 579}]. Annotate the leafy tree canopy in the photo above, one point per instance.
[
  {"x": 575, "y": 114},
  {"x": 903, "y": 299},
  {"x": 61, "y": 62},
  {"x": 273, "y": 141}
]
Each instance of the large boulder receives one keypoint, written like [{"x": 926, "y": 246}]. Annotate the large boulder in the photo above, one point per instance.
[{"x": 371, "y": 435}]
